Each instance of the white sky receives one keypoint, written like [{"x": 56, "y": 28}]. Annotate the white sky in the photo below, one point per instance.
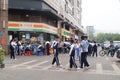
[{"x": 104, "y": 15}]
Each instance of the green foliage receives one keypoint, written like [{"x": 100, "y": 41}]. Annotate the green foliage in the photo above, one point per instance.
[
  {"x": 102, "y": 37},
  {"x": 1, "y": 56}
]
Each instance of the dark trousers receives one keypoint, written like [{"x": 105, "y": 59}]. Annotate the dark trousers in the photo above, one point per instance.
[
  {"x": 72, "y": 62},
  {"x": 94, "y": 52},
  {"x": 55, "y": 59},
  {"x": 12, "y": 54},
  {"x": 84, "y": 59},
  {"x": 47, "y": 50}
]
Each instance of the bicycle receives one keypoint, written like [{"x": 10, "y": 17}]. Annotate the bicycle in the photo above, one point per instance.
[{"x": 104, "y": 51}]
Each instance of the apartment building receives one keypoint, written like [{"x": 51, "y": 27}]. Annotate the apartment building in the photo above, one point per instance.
[{"x": 41, "y": 20}]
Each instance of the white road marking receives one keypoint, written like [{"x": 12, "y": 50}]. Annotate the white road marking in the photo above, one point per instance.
[
  {"x": 35, "y": 65},
  {"x": 107, "y": 58},
  {"x": 116, "y": 68},
  {"x": 66, "y": 66},
  {"x": 23, "y": 63},
  {"x": 99, "y": 68},
  {"x": 47, "y": 67}
]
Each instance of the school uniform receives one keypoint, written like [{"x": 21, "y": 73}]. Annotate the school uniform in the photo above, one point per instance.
[
  {"x": 72, "y": 56},
  {"x": 56, "y": 59},
  {"x": 12, "y": 48},
  {"x": 84, "y": 45}
]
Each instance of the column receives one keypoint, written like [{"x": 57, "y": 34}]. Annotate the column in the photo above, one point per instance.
[{"x": 4, "y": 24}]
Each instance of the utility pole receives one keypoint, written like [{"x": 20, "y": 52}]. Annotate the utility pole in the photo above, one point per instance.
[{"x": 4, "y": 25}]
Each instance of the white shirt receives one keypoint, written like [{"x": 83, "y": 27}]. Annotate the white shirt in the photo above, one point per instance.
[
  {"x": 13, "y": 44},
  {"x": 71, "y": 48}
]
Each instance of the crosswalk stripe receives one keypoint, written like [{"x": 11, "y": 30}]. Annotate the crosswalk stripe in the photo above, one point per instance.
[
  {"x": 28, "y": 62},
  {"x": 47, "y": 67},
  {"x": 116, "y": 68},
  {"x": 107, "y": 58},
  {"x": 67, "y": 65},
  {"x": 99, "y": 68},
  {"x": 29, "y": 67}
]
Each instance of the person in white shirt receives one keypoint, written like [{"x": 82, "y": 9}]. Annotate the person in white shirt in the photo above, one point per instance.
[
  {"x": 55, "y": 46},
  {"x": 12, "y": 48},
  {"x": 77, "y": 50}
]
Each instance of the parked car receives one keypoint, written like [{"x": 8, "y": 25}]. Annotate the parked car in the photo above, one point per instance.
[{"x": 118, "y": 53}]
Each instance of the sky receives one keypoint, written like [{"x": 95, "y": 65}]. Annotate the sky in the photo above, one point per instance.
[{"x": 104, "y": 15}]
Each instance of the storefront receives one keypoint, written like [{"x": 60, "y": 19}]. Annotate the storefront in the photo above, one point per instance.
[
  {"x": 33, "y": 32},
  {"x": 65, "y": 34}
]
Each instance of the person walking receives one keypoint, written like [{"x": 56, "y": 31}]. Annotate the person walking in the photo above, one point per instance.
[
  {"x": 12, "y": 48},
  {"x": 77, "y": 50},
  {"x": 84, "y": 46},
  {"x": 72, "y": 56},
  {"x": 47, "y": 47},
  {"x": 94, "y": 49},
  {"x": 55, "y": 46}
]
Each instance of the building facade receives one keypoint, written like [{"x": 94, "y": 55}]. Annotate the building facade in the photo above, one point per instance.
[
  {"x": 41, "y": 20},
  {"x": 70, "y": 10}
]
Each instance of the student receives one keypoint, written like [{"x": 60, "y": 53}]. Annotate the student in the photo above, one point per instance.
[
  {"x": 12, "y": 48},
  {"x": 72, "y": 56},
  {"x": 47, "y": 47},
  {"x": 94, "y": 49},
  {"x": 84, "y": 45},
  {"x": 55, "y": 46},
  {"x": 77, "y": 50}
]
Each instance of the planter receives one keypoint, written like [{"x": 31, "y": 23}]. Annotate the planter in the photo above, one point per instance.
[{"x": 2, "y": 65}]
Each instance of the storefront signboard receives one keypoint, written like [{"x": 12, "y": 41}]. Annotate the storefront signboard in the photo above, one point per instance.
[
  {"x": 66, "y": 33},
  {"x": 27, "y": 26}
]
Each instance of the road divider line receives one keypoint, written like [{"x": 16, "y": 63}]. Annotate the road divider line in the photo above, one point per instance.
[
  {"x": 35, "y": 65},
  {"x": 28, "y": 62},
  {"x": 99, "y": 68},
  {"x": 116, "y": 68}
]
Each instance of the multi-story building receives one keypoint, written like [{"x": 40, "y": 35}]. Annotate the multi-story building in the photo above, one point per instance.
[
  {"x": 41, "y": 20},
  {"x": 90, "y": 32}
]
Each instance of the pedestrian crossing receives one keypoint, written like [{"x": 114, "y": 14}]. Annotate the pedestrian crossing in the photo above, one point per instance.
[{"x": 40, "y": 66}]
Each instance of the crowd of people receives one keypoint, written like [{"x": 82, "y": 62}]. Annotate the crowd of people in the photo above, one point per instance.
[{"x": 78, "y": 49}]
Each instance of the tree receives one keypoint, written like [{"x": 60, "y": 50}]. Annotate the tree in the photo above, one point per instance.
[{"x": 102, "y": 37}]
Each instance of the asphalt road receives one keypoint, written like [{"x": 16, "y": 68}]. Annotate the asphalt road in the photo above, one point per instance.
[{"x": 39, "y": 68}]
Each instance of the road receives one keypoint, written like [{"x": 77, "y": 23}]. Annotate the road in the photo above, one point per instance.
[{"x": 39, "y": 68}]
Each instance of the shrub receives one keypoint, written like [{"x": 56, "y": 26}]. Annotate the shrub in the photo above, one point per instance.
[{"x": 1, "y": 56}]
